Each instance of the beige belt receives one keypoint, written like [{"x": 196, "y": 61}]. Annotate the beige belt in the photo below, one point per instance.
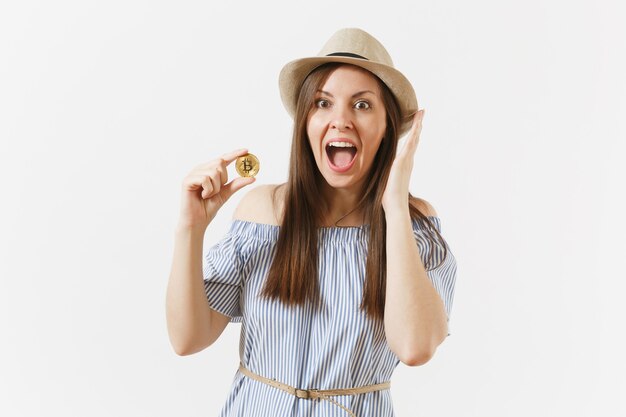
[{"x": 316, "y": 393}]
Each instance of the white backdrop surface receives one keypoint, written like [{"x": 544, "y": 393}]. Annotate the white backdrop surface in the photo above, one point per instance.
[{"x": 105, "y": 107}]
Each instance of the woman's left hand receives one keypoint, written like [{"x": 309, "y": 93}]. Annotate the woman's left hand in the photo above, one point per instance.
[{"x": 396, "y": 195}]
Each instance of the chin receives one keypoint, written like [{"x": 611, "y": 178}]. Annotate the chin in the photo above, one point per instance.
[{"x": 341, "y": 182}]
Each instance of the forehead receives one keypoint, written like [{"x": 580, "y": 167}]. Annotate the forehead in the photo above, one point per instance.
[{"x": 348, "y": 78}]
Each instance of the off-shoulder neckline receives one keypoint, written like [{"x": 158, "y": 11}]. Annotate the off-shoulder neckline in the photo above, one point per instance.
[
  {"x": 269, "y": 232},
  {"x": 277, "y": 226}
]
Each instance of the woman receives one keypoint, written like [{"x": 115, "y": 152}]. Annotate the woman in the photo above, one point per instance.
[{"x": 336, "y": 275}]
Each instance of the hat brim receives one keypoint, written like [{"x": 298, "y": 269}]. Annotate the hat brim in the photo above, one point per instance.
[{"x": 293, "y": 74}]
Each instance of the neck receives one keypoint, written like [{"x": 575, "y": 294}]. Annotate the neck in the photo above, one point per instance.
[{"x": 338, "y": 206}]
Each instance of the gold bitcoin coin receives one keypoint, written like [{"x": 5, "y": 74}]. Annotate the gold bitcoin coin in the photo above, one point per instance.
[{"x": 247, "y": 165}]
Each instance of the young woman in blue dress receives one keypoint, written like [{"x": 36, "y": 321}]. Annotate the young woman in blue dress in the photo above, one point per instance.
[{"x": 350, "y": 107}]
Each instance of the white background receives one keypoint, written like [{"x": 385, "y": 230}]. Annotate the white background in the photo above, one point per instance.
[{"x": 105, "y": 106}]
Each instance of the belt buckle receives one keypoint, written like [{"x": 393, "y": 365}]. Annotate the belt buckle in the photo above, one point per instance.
[{"x": 303, "y": 393}]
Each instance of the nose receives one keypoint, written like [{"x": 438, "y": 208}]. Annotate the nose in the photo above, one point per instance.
[{"x": 340, "y": 119}]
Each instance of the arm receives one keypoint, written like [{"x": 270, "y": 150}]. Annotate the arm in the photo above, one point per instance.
[
  {"x": 415, "y": 317},
  {"x": 191, "y": 324},
  {"x": 189, "y": 317}
]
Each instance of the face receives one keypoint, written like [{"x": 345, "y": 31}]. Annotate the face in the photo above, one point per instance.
[{"x": 346, "y": 126}]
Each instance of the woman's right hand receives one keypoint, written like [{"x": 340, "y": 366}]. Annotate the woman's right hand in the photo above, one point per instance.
[{"x": 205, "y": 191}]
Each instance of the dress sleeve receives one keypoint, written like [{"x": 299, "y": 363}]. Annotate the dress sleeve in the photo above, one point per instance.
[
  {"x": 443, "y": 276},
  {"x": 223, "y": 276}
]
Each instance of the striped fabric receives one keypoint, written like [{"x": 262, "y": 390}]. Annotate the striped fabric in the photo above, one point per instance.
[{"x": 336, "y": 347}]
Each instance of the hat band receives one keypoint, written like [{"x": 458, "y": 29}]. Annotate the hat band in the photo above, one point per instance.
[{"x": 348, "y": 54}]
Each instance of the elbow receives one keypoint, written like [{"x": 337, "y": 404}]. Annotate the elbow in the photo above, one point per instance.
[
  {"x": 180, "y": 350},
  {"x": 186, "y": 350},
  {"x": 179, "y": 345},
  {"x": 415, "y": 354},
  {"x": 418, "y": 354},
  {"x": 185, "y": 341},
  {"x": 186, "y": 347},
  {"x": 418, "y": 357}
]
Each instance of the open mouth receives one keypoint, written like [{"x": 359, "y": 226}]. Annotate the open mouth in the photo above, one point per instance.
[{"x": 341, "y": 155}]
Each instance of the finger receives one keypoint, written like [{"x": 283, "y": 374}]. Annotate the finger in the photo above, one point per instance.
[
  {"x": 223, "y": 174},
  {"x": 231, "y": 156},
  {"x": 193, "y": 182},
  {"x": 417, "y": 122},
  {"x": 408, "y": 148},
  {"x": 215, "y": 185},
  {"x": 207, "y": 187},
  {"x": 235, "y": 185},
  {"x": 416, "y": 130},
  {"x": 403, "y": 148},
  {"x": 212, "y": 180},
  {"x": 411, "y": 138}
]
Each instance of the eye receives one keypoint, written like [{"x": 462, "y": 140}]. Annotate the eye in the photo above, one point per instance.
[
  {"x": 366, "y": 107},
  {"x": 319, "y": 103}
]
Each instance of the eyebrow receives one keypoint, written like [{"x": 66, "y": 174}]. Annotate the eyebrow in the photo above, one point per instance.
[{"x": 353, "y": 95}]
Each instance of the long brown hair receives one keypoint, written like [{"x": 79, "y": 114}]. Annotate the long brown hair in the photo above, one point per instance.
[{"x": 293, "y": 275}]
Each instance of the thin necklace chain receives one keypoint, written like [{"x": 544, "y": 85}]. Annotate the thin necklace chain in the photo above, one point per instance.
[{"x": 338, "y": 220}]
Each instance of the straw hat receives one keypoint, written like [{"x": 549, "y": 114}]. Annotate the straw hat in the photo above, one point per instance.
[{"x": 357, "y": 47}]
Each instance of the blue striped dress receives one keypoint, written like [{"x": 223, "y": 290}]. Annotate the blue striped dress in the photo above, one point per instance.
[{"x": 337, "y": 347}]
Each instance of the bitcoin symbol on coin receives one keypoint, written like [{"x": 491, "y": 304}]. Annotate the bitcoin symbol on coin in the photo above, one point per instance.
[{"x": 247, "y": 165}]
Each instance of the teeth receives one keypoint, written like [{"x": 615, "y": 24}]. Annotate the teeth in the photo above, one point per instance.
[{"x": 341, "y": 144}]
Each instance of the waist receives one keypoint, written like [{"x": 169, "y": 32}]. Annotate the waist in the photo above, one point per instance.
[{"x": 316, "y": 394}]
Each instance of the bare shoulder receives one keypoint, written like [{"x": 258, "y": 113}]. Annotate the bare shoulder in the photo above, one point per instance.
[
  {"x": 261, "y": 204},
  {"x": 424, "y": 207}
]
